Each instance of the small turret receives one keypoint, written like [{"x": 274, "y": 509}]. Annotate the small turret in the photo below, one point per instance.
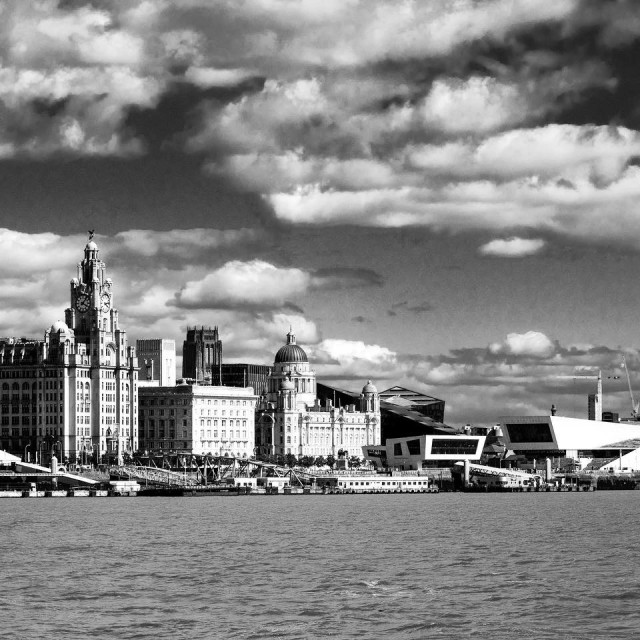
[{"x": 369, "y": 398}]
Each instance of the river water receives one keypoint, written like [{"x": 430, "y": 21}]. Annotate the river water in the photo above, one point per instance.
[{"x": 495, "y": 566}]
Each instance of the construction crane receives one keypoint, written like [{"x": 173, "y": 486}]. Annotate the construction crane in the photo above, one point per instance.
[
  {"x": 634, "y": 406},
  {"x": 598, "y": 398}
]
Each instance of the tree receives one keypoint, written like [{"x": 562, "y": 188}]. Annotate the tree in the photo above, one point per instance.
[
  {"x": 320, "y": 461},
  {"x": 306, "y": 461},
  {"x": 331, "y": 460},
  {"x": 290, "y": 460},
  {"x": 354, "y": 462}
]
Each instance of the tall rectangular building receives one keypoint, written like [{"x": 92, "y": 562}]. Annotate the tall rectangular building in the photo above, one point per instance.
[
  {"x": 201, "y": 354},
  {"x": 157, "y": 361}
]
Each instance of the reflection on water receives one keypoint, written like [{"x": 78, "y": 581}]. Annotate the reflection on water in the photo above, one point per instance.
[{"x": 496, "y": 566}]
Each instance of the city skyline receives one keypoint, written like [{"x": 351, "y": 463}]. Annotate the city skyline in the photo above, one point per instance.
[{"x": 444, "y": 202}]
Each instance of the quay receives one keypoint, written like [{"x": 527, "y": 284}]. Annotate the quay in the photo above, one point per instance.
[{"x": 227, "y": 477}]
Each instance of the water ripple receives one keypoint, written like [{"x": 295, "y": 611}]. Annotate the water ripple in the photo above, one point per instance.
[{"x": 293, "y": 567}]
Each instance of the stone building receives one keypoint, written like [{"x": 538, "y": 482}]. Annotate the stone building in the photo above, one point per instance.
[
  {"x": 292, "y": 420},
  {"x": 201, "y": 354},
  {"x": 75, "y": 392},
  {"x": 190, "y": 418}
]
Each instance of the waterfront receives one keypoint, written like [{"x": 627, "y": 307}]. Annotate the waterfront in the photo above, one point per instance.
[{"x": 456, "y": 565}]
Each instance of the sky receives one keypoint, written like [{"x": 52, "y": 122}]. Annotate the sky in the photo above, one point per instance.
[{"x": 440, "y": 195}]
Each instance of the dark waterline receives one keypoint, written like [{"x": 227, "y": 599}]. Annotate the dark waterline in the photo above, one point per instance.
[{"x": 496, "y": 566}]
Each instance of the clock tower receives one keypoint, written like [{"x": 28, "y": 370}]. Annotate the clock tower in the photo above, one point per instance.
[{"x": 106, "y": 368}]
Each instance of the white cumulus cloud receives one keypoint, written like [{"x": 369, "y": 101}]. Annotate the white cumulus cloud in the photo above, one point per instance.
[
  {"x": 254, "y": 283},
  {"x": 531, "y": 343},
  {"x": 512, "y": 247}
]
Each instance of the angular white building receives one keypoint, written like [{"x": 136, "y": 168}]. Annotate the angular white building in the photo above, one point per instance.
[
  {"x": 425, "y": 451},
  {"x": 594, "y": 445}
]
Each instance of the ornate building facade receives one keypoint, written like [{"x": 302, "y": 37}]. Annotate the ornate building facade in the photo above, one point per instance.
[
  {"x": 291, "y": 419},
  {"x": 74, "y": 393}
]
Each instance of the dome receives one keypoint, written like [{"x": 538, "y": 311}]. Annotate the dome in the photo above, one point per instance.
[
  {"x": 59, "y": 326},
  {"x": 91, "y": 246},
  {"x": 369, "y": 388},
  {"x": 291, "y": 352}
]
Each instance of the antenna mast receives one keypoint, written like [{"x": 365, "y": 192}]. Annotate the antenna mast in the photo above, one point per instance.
[{"x": 634, "y": 406}]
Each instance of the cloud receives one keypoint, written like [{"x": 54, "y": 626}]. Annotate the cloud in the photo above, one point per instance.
[
  {"x": 249, "y": 284},
  {"x": 512, "y": 247},
  {"x": 24, "y": 254},
  {"x": 210, "y": 77},
  {"x": 352, "y": 359},
  {"x": 259, "y": 284},
  {"x": 186, "y": 244},
  {"x": 473, "y": 105},
  {"x": 345, "y": 278},
  {"x": 523, "y": 374},
  {"x": 532, "y": 343},
  {"x": 84, "y": 35},
  {"x": 72, "y": 110},
  {"x": 569, "y": 209},
  {"x": 599, "y": 153},
  {"x": 417, "y": 309}
]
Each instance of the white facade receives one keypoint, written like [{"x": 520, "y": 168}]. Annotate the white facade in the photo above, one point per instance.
[
  {"x": 198, "y": 419},
  {"x": 291, "y": 419},
  {"x": 157, "y": 361},
  {"x": 599, "y": 445},
  {"x": 420, "y": 452}
]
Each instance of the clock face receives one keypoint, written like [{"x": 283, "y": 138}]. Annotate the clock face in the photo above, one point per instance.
[
  {"x": 105, "y": 302},
  {"x": 82, "y": 303}
]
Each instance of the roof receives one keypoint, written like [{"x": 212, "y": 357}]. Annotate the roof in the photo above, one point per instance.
[
  {"x": 417, "y": 417},
  {"x": 633, "y": 443},
  {"x": 6, "y": 457},
  {"x": 369, "y": 388},
  {"x": 291, "y": 353},
  {"x": 415, "y": 397}
]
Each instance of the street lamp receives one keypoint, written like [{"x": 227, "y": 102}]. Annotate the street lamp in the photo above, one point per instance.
[
  {"x": 25, "y": 453},
  {"x": 56, "y": 445}
]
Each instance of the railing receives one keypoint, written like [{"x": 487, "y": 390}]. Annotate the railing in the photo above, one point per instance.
[{"x": 153, "y": 474}]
